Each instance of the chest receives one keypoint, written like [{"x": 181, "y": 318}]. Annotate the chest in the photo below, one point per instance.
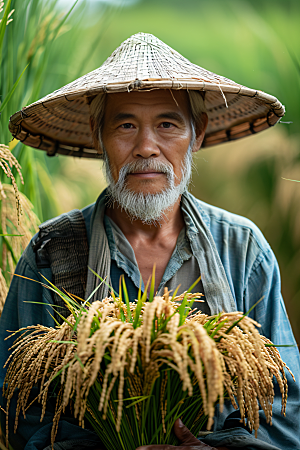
[{"x": 150, "y": 254}]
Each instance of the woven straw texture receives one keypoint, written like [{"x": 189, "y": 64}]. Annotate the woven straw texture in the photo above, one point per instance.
[{"x": 59, "y": 122}]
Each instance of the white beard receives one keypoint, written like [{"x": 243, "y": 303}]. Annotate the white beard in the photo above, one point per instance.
[{"x": 149, "y": 208}]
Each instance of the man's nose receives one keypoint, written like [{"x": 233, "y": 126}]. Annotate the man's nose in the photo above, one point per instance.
[{"x": 146, "y": 145}]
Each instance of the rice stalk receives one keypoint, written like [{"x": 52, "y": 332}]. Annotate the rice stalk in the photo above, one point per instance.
[
  {"x": 10, "y": 13},
  {"x": 139, "y": 380},
  {"x": 7, "y": 162},
  {"x": 3, "y": 291},
  {"x": 16, "y": 233}
]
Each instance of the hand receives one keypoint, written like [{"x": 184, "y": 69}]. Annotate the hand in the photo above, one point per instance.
[{"x": 187, "y": 439}]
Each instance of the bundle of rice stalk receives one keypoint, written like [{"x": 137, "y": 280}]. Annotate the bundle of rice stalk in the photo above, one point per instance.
[
  {"x": 132, "y": 369},
  {"x": 15, "y": 233},
  {"x": 7, "y": 162}
]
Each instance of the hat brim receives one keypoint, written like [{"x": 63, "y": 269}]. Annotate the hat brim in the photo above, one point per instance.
[{"x": 60, "y": 123}]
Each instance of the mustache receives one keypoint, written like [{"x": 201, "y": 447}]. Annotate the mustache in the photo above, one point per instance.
[{"x": 146, "y": 165}]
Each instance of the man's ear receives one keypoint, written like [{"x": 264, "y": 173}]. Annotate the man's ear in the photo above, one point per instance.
[{"x": 200, "y": 133}]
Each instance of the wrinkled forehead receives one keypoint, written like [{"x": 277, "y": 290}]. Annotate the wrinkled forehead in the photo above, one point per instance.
[{"x": 155, "y": 101}]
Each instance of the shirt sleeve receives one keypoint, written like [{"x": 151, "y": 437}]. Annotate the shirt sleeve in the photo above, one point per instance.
[
  {"x": 20, "y": 311},
  {"x": 263, "y": 282}
]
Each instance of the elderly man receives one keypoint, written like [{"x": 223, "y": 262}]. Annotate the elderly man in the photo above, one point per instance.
[{"x": 149, "y": 109}]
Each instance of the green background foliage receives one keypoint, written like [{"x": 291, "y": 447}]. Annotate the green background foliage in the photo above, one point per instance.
[{"x": 254, "y": 42}]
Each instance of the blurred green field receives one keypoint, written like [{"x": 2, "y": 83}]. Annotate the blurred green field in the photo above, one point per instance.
[{"x": 255, "y": 43}]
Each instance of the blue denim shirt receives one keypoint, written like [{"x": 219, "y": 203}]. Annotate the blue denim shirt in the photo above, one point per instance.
[{"x": 252, "y": 272}]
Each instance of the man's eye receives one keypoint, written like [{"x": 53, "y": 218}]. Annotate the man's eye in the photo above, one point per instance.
[
  {"x": 166, "y": 125},
  {"x": 126, "y": 125}
]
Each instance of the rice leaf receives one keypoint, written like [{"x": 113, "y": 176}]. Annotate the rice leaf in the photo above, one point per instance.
[
  {"x": 60, "y": 371},
  {"x": 55, "y": 321},
  {"x": 186, "y": 305},
  {"x": 66, "y": 320},
  {"x": 10, "y": 93},
  {"x": 218, "y": 328},
  {"x": 144, "y": 296},
  {"x": 3, "y": 26},
  {"x": 126, "y": 297},
  {"x": 288, "y": 179},
  {"x": 139, "y": 399},
  {"x": 79, "y": 360},
  {"x": 138, "y": 307},
  {"x": 103, "y": 281},
  {"x": 281, "y": 345},
  {"x": 244, "y": 315},
  {"x": 152, "y": 286},
  {"x": 43, "y": 303},
  {"x": 16, "y": 235},
  {"x": 175, "y": 292}
]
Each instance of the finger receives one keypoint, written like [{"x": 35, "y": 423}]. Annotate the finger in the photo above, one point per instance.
[{"x": 184, "y": 434}]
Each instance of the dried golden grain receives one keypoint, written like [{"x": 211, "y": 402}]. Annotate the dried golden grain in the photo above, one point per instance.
[{"x": 235, "y": 360}]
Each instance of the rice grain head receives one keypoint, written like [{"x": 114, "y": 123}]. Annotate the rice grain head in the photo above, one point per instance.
[{"x": 206, "y": 352}]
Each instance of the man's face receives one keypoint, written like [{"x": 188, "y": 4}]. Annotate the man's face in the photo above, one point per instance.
[
  {"x": 147, "y": 149},
  {"x": 147, "y": 125}
]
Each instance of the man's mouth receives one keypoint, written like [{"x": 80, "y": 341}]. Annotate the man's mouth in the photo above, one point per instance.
[{"x": 146, "y": 174}]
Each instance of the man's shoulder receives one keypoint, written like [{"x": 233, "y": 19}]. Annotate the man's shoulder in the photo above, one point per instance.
[
  {"x": 86, "y": 212},
  {"x": 222, "y": 222},
  {"x": 29, "y": 256}
]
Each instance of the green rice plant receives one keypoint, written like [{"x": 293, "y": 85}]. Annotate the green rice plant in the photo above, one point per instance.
[
  {"x": 14, "y": 233},
  {"x": 26, "y": 44},
  {"x": 44, "y": 40},
  {"x": 18, "y": 222},
  {"x": 132, "y": 368},
  {"x": 28, "y": 31}
]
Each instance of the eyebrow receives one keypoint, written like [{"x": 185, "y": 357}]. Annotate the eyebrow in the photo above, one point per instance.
[
  {"x": 123, "y": 116},
  {"x": 165, "y": 115},
  {"x": 173, "y": 116}
]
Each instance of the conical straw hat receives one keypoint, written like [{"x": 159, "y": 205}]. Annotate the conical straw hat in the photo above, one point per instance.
[{"x": 59, "y": 122}]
